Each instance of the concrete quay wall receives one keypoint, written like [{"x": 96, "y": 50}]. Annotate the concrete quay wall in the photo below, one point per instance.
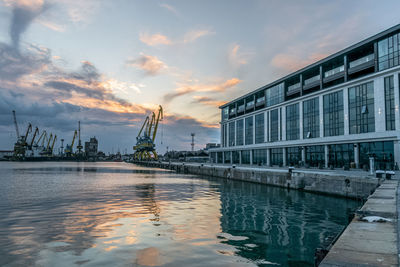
[{"x": 351, "y": 185}]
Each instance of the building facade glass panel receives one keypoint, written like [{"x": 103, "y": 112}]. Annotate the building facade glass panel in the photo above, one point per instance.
[
  {"x": 246, "y": 157},
  {"x": 249, "y": 131},
  {"x": 277, "y": 156},
  {"x": 260, "y": 157},
  {"x": 227, "y": 157},
  {"x": 388, "y": 52},
  {"x": 389, "y": 104},
  {"x": 315, "y": 156},
  {"x": 225, "y": 114},
  {"x": 239, "y": 132},
  {"x": 259, "y": 125},
  {"x": 275, "y": 94},
  {"x": 333, "y": 114},
  {"x": 340, "y": 155},
  {"x": 293, "y": 155},
  {"x": 232, "y": 133},
  {"x": 274, "y": 125},
  {"x": 383, "y": 152},
  {"x": 219, "y": 157},
  {"x": 292, "y": 122},
  {"x": 311, "y": 118},
  {"x": 235, "y": 157},
  {"x": 361, "y": 108}
]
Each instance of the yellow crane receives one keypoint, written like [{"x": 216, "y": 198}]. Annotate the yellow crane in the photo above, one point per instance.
[
  {"x": 69, "y": 148},
  {"x": 21, "y": 145},
  {"x": 48, "y": 143},
  {"x": 44, "y": 136},
  {"x": 145, "y": 145},
  {"x": 33, "y": 138},
  {"x": 52, "y": 145}
]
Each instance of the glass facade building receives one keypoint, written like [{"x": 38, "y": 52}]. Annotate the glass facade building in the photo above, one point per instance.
[{"x": 336, "y": 112}]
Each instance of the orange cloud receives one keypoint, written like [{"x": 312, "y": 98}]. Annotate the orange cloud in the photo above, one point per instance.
[
  {"x": 154, "y": 39},
  {"x": 207, "y": 101},
  {"x": 290, "y": 62},
  {"x": 184, "y": 89},
  {"x": 151, "y": 65}
]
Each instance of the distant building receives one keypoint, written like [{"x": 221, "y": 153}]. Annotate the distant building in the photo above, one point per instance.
[
  {"x": 91, "y": 148},
  {"x": 212, "y": 145},
  {"x": 5, "y": 154}
]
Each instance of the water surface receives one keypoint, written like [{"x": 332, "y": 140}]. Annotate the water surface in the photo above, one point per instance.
[{"x": 118, "y": 214}]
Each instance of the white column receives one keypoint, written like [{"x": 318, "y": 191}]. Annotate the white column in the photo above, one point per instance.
[
  {"x": 283, "y": 123},
  {"x": 223, "y": 157},
  {"x": 357, "y": 155},
  {"x": 254, "y": 129},
  {"x": 303, "y": 154},
  {"x": 231, "y": 157},
  {"x": 284, "y": 156},
  {"x": 234, "y": 140},
  {"x": 301, "y": 119},
  {"x": 321, "y": 116},
  {"x": 346, "y": 110},
  {"x": 268, "y": 157},
  {"x": 326, "y": 156},
  {"x": 266, "y": 126},
  {"x": 251, "y": 156},
  {"x": 396, "y": 101},
  {"x": 379, "y": 104},
  {"x": 240, "y": 157},
  {"x": 269, "y": 126}
]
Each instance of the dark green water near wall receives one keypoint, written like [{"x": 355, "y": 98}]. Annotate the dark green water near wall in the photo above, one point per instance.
[{"x": 117, "y": 214}]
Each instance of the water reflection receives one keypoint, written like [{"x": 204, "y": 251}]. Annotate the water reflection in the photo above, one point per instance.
[{"x": 90, "y": 214}]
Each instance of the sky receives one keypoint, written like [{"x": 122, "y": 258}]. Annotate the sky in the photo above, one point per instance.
[{"x": 109, "y": 64}]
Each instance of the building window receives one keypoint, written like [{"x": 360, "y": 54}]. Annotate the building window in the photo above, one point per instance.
[
  {"x": 361, "y": 108},
  {"x": 333, "y": 114},
  {"x": 235, "y": 157},
  {"x": 249, "y": 131},
  {"x": 293, "y": 155},
  {"x": 259, "y": 121},
  {"x": 246, "y": 157},
  {"x": 292, "y": 122},
  {"x": 213, "y": 157},
  {"x": 275, "y": 95},
  {"x": 389, "y": 104},
  {"x": 219, "y": 157},
  {"x": 383, "y": 152},
  {"x": 239, "y": 132},
  {"x": 227, "y": 157},
  {"x": 277, "y": 156},
  {"x": 274, "y": 125},
  {"x": 315, "y": 156},
  {"x": 260, "y": 156},
  {"x": 340, "y": 155},
  {"x": 388, "y": 52},
  {"x": 232, "y": 133},
  {"x": 225, "y": 114},
  {"x": 311, "y": 118}
]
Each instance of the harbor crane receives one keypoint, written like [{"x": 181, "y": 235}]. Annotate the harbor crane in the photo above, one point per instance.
[
  {"x": 33, "y": 138},
  {"x": 21, "y": 145},
  {"x": 69, "y": 148},
  {"x": 145, "y": 143}
]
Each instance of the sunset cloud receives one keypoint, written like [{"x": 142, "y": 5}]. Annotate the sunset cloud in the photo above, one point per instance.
[
  {"x": 185, "y": 88},
  {"x": 151, "y": 65},
  {"x": 205, "y": 100},
  {"x": 169, "y": 8},
  {"x": 237, "y": 57},
  {"x": 154, "y": 39}
]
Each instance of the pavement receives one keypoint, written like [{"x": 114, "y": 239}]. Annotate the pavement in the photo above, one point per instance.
[{"x": 371, "y": 243}]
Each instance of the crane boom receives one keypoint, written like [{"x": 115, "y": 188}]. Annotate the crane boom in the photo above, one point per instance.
[
  {"x": 52, "y": 145},
  {"x": 34, "y": 136},
  {"x": 28, "y": 130},
  {"x": 160, "y": 116},
  {"x": 15, "y": 123},
  {"x": 48, "y": 143},
  {"x": 141, "y": 129},
  {"x": 153, "y": 118},
  {"x": 73, "y": 139},
  {"x": 44, "y": 136}
]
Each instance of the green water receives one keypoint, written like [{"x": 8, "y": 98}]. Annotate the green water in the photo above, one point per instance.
[{"x": 118, "y": 214}]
